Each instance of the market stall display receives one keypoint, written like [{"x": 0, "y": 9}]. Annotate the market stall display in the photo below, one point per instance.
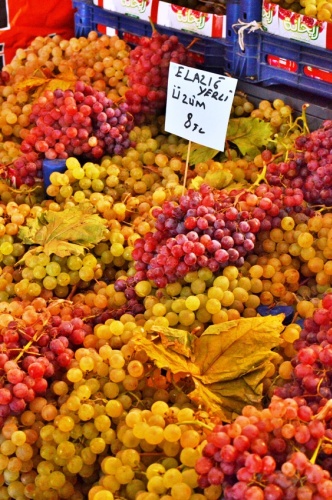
[{"x": 165, "y": 308}]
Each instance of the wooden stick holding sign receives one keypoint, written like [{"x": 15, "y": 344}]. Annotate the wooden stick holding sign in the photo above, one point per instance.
[{"x": 186, "y": 168}]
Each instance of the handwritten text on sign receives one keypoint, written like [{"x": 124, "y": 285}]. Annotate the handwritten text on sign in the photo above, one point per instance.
[{"x": 198, "y": 105}]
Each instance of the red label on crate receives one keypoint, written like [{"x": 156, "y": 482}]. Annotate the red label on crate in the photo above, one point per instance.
[
  {"x": 318, "y": 74},
  {"x": 279, "y": 62}
]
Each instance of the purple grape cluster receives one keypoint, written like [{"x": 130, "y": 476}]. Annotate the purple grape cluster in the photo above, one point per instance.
[
  {"x": 312, "y": 375},
  {"x": 205, "y": 229},
  {"x": 25, "y": 169},
  {"x": 309, "y": 167},
  {"x": 254, "y": 457},
  {"x": 80, "y": 122},
  {"x": 29, "y": 358},
  {"x": 148, "y": 73}
]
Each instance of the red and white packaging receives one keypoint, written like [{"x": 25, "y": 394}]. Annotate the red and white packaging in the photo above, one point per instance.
[
  {"x": 194, "y": 21},
  {"x": 270, "y": 20},
  {"x": 142, "y": 9},
  {"x": 296, "y": 26}
]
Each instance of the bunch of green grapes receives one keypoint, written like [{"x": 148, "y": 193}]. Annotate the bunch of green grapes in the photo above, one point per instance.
[
  {"x": 56, "y": 274},
  {"x": 9, "y": 151},
  {"x": 104, "y": 424}
]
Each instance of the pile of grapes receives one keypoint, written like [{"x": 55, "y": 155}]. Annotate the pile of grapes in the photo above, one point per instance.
[{"x": 129, "y": 241}]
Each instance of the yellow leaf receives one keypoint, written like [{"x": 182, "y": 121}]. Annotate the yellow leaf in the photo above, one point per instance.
[
  {"x": 199, "y": 154},
  {"x": 31, "y": 83},
  {"x": 227, "y": 399},
  {"x": 218, "y": 179},
  {"x": 65, "y": 233},
  {"x": 196, "y": 182},
  {"x": 163, "y": 358},
  {"x": 56, "y": 83},
  {"x": 227, "y": 363},
  {"x": 179, "y": 341},
  {"x": 233, "y": 348}
]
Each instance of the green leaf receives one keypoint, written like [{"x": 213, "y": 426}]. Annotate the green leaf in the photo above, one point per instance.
[
  {"x": 249, "y": 134},
  {"x": 27, "y": 233},
  {"x": 199, "y": 154},
  {"x": 227, "y": 363},
  {"x": 218, "y": 179},
  {"x": 64, "y": 233}
]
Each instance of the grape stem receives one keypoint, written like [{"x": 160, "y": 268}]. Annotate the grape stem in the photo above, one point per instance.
[
  {"x": 261, "y": 177},
  {"x": 228, "y": 149},
  {"x": 134, "y": 396},
  {"x": 72, "y": 292},
  {"x": 196, "y": 422},
  {"x": 303, "y": 118},
  {"x": 154, "y": 30},
  {"x": 322, "y": 414},
  {"x": 35, "y": 338},
  {"x": 315, "y": 453},
  {"x": 192, "y": 43}
]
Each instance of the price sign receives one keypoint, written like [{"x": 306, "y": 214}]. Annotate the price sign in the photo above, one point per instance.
[{"x": 198, "y": 105}]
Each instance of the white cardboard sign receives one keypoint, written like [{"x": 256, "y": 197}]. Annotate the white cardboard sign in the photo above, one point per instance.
[{"x": 198, "y": 105}]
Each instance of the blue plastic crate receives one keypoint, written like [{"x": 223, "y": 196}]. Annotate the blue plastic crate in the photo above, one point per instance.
[
  {"x": 244, "y": 60},
  {"x": 251, "y": 10},
  {"x": 269, "y": 59},
  {"x": 300, "y": 65}
]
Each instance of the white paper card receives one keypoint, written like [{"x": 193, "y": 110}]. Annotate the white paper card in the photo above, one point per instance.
[{"x": 198, "y": 105}]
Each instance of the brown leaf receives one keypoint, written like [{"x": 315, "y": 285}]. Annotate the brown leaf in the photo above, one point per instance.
[
  {"x": 163, "y": 358},
  {"x": 31, "y": 83},
  {"x": 227, "y": 399},
  {"x": 233, "y": 348},
  {"x": 228, "y": 362},
  {"x": 179, "y": 341}
]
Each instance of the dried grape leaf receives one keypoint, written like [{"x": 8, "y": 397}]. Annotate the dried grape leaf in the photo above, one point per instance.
[
  {"x": 64, "y": 233},
  {"x": 227, "y": 399},
  {"x": 249, "y": 134},
  {"x": 164, "y": 358},
  {"x": 57, "y": 83},
  {"x": 179, "y": 341},
  {"x": 31, "y": 83},
  {"x": 231, "y": 349},
  {"x": 63, "y": 81},
  {"x": 227, "y": 363}
]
